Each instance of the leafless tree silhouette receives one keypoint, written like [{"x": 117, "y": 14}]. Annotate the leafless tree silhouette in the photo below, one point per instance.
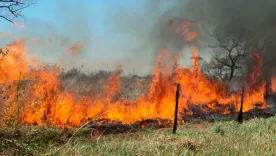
[
  {"x": 230, "y": 51},
  {"x": 11, "y": 10}
]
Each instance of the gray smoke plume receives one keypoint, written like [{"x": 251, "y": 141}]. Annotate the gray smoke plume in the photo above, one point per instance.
[
  {"x": 150, "y": 26},
  {"x": 257, "y": 17},
  {"x": 137, "y": 34}
]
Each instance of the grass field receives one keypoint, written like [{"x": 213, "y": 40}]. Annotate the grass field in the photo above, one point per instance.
[{"x": 254, "y": 137}]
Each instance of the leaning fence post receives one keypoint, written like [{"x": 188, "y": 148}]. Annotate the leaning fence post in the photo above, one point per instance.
[
  {"x": 176, "y": 108},
  {"x": 240, "y": 116}
]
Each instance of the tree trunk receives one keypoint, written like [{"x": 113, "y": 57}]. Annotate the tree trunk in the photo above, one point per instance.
[
  {"x": 240, "y": 116},
  {"x": 231, "y": 73}
]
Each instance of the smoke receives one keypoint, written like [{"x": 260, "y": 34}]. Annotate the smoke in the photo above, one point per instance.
[
  {"x": 149, "y": 26},
  {"x": 257, "y": 18},
  {"x": 132, "y": 36}
]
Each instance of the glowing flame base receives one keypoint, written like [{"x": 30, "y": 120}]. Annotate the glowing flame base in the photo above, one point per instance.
[{"x": 43, "y": 101}]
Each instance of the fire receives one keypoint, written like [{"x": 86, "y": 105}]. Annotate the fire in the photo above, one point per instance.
[
  {"x": 44, "y": 101},
  {"x": 75, "y": 49},
  {"x": 7, "y": 34},
  {"x": 18, "y": 25},
  {"x": 273, "y": 84}
]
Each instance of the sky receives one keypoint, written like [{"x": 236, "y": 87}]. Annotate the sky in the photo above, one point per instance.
[
  {"x": 50, "y": 10},
  {"x": 110, "y": 32}
]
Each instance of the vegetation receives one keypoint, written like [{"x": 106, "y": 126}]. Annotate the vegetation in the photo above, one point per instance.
[
  {"x": 254, "y": 137},
  {"x": 132, "y": 86},
  {"x": 230, "y": 52}
]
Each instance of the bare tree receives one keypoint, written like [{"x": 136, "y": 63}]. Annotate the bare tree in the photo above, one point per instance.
[
  {"x": 230, "y": 51},
  {"x": 215, "y": 70},
  {"x": 11, "y": 10}
]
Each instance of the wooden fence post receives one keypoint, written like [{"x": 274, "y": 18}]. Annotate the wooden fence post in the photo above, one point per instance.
[
  {"x": 176, "y": 108},
  {"x": 240, "y": 116}
]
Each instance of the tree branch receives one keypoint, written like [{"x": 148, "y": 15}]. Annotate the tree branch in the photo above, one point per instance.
[
  {"x": 234, "y": 48},
  {"x": 10, "y": 10}
]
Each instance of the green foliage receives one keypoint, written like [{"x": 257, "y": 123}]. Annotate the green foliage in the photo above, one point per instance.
[
  {"x": 43, "y": 135},
  {"x": 217, "y": 129},
  {"x": 10, "y": 122}
]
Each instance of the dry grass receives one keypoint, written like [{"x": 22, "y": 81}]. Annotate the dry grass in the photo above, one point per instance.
[{"x": 254, "y": 137}]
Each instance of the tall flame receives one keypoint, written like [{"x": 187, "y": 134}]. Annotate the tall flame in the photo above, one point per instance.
[{"x": 43, "y": 100}]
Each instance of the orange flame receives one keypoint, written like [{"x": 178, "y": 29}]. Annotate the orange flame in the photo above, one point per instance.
[
  {"x": 44, "y": 101},
  {"x": 273, "y": 84},
  {"x": 18, "y": 25},
  {"x": 7, "y": 34}
]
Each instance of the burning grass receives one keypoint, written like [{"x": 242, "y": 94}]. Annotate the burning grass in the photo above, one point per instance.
[
  {"x": 45, "y": 110},
  {"x": 254, "y": 137},
  {"x": 46, "y": 100}
]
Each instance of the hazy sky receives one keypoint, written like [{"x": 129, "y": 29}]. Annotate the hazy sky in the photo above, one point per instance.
[{"x": 111, "y": 32}]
